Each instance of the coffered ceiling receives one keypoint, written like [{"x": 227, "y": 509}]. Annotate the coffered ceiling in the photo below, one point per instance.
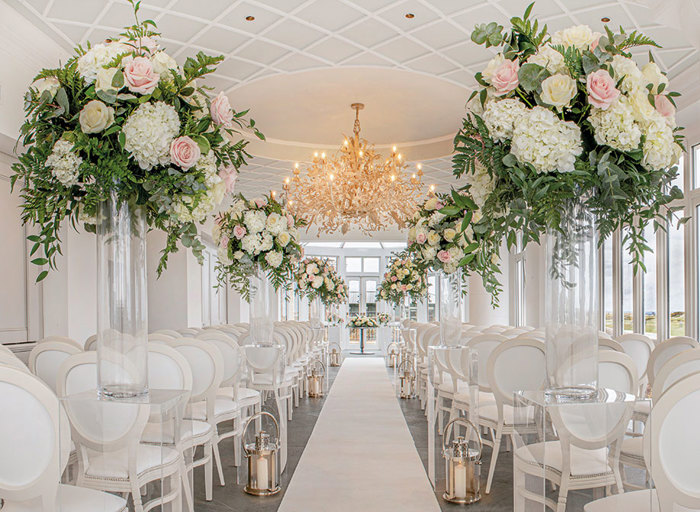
[{"x": 300, "y": 63}]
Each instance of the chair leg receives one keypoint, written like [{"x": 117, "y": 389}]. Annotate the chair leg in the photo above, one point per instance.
[
  {"x": 186, "y": 486},
  {"x": 237, "y": 449},
  {"x": 518, "y": 488},
  {"x": 176, "y": 504},
  {"x": 217, "y": 458},
  {"x": 494, "y": 458},
  {"x": 208, "y": 472},
  {"x": 563, "y": 493},
  {"x": 136, "y": 497}
]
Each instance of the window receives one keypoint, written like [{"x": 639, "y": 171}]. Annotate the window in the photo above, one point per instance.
[
  {"x": 676, "y": 279},
  {"x": 627, "y": 286},
  {"x": 607, "y": 280},
  {"x": 370, "y": 265},
  {"x": 371, "y": 297},
  {"x": 353, "y": 265},
  {"x": 519, "y": 302},
  {"x": 680, "y": 178},
  {"x": 432, "y": 298},
  {"x": 649, "y": 280},
  {"x": 353, "y": 296}
]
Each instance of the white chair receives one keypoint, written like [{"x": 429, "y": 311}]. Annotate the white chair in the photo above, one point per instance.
[
  {"x": 677, "y": 368},
  {"x": 160, "y": 337},
  {"x": 266, "y": 373},
  {"x": 34, "y": 447},
  {"x": 63, "y": 339},
  {"x": 107, "y": 436},
  {"x": 666, "y": 450},
  {"x": 513, "y": 365},
  {"x": 11, "y": 360},
  {"x": 168, "y": 332},
  {"x": 90, "y": 343},
  {"x": 6, "y": 350},
  {"x": 639, "y": 347},
  {"x": 616, "y": 370},
  {"x": 46, "y": 358},
  {"x": 189, "y": 331},
  {"x": 665, "y": 351},
  {"x": 609, "y": 344}
]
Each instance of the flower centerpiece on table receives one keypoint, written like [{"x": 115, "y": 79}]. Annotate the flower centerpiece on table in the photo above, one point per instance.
[
  {"x": 404, "y": 278},
  {"x": 123, "y": 119},
  {"x": 317, "y": 279},
  {"x": 561, "y": 119},
  {"x": 257, "y": 235},
  {"x": 363, "y": 321},
  {"x": 438, "y": 237}
]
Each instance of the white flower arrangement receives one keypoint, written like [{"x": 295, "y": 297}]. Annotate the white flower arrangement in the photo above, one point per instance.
[
  {"x": 404, "y": 278},
  {"x": 363, "y": 321},
  {"x": 316, "y": 278}
]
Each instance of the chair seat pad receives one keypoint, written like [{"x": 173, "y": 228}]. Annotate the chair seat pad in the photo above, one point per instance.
[
  {"x": 633, "y": 448},
  {"x": 448, "y": 387},
  {"x": 583, "y": 462},
  {"x": 191, "y": 430},
  {"x": 637, "y": 501},
  {"x": 222, "y": 407},
  {"x": 246, "y": 396},
  {"x": 485, "y": 398},
  {"x": 75, "y": 499},
  {"x": 114, "y": 465},
  {"x": 489, "y": 412},
  {"x": 266, "y": 380}
]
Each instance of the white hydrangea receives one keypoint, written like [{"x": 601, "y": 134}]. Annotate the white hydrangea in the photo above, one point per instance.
[
  {"x": 274, "y": 259},
  {"x": 615, "y": 127},
  {"x": 660, "y": 150},
  {"x": 546, "y": 142},
  {"x": 222, "y": 254},
  {"x": 64, "y": 163},
  {"x": 237, "y": 208},
  {"x": 254, "y": 220},
  {"x": 98, "y": 57},
  {"x": 148, "y": 132},
  {"x": 550, "y": 59},
  {"x": 627, "y": 70},
  {"x": 251, "y": 243},
  {"x": 266, "y": 241},
  {"x": 482, "y": 184},
  {"x": 501, "y": 117}
]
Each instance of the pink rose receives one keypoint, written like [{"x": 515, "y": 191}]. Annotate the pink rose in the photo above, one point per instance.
[
  {"x": 439, "y": 206},
  {"x": 421, "y": 238},
  {"x": 290, "y": 221},
  {"x": 260, "y": 202},
  {"x": 224, "y": 241},
  {"x": 505, "y": 79},
  {"x": 394, "y": 278},
  {"x": 444, "y": 256},
  {"x": 139, "y": 76},
  {"x": 664, "y": 106},
  {"x": 228, "y": 175},
  {"x": 239, "y": 232},
  {"x": 184, "y": 152},
  {"x": 221, "y": 112},
  {"x": 404, "y": 288},
  {"x": 601, "y": 89},
  {"x": 595, "y": 42}
]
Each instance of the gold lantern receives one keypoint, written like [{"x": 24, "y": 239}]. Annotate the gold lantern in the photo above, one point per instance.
[
  {"x": 392, "y": 359},
  {"x": 462, "y": 465},
  {"x": 316, "y": 378},
  {"x": 407, "y": 380},
  {"x": 334, "y": 355},
  {"x": 263, "y": 460}
]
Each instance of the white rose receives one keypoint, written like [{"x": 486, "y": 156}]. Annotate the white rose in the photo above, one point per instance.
[
  {"x": 274, "y": 259},
  {"x": 316, "y": 282},
  {"x": 162, "y": 63},
  {"x": 238, "y": 255},
  {"x": 95, "y": 117},
  {"x": 104, "y": 79},
  {"x": 283, "y": 239},
  {"x": 449, "y": 234},
  {"x": 433, "y": 238},
  {"x": 49, "y": 84},
  {"x": 558, "y": 91},
  {"x": 580, "y": 36},
  {"x": 550, "y": 59},
  {"x": 222, "y": 254},
  {"x": 653, "y": 75},
  {"x": 492, "y": 67}
]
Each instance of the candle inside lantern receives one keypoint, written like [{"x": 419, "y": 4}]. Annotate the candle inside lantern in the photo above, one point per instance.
[
  {"x": 263, "y": 473},
  {"x": 460, "y": 481}
]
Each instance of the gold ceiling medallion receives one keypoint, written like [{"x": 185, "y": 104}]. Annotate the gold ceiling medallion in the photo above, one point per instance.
[{"x": 357, "y": 187}]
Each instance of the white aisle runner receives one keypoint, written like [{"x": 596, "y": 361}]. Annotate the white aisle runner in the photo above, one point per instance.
[{"x": 361, "y": 456}]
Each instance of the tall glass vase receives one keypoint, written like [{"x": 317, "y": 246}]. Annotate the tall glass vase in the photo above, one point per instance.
[
  {"x": 122, "y": 301},
  {"x": 450, "y": 308},
  {"x": 315, "y": 312},
  {"x": 261, "y": 300},
  {"x": 571, "y": 305}
]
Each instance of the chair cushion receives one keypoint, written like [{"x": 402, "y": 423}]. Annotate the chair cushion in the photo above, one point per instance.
[
  {"x": 246, "y": 396},
  {"x": 485, "y": 398},
  {"x": 223, "y": 407},
  {"x": 75, "y": 499},
  {"x": 114, "y": 465},
  {"x": 266, "y": 380},
  {"x": 490, "y": 412},
  {"x": 633, "y": 448},
  {"x": 583, "y": 462},
  {"x": 191, "y": 429},
  {"x": 637, "y": 501}
]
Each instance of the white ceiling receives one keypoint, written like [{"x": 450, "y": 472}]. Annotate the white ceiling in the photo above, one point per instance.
[{"x": 301, "y": 63}]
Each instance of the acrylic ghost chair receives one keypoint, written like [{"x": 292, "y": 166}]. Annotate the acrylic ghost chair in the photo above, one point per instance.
[
  {"x": 107, "y": 436},
  {"x": 34, "y": 448},
  {"x": 666, "y": 447}
]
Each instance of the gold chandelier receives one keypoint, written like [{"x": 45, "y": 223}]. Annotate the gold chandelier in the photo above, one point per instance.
[{"x": 356, "y": 186}]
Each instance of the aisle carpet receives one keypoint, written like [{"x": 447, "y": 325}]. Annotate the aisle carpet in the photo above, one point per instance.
[{"x": 360, "y": 456}]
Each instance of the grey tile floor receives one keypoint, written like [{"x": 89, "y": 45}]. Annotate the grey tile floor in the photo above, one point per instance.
[{"x": 232, "y": 498}]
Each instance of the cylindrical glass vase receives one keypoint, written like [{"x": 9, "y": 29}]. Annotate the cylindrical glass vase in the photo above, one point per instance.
[
  {"x": 315, "y": 313},
  {"x": 450, "y": 308},
  {"x": 571, "y": 305},
  {"x": 261, "y": 300},
  {"x": 122, "y": 300}
]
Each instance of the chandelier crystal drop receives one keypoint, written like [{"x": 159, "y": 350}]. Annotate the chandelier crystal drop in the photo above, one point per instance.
[{"x": 357, "y": 186}]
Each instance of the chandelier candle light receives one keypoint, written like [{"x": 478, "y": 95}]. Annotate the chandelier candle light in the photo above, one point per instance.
[{"x": 356, "y": 187}]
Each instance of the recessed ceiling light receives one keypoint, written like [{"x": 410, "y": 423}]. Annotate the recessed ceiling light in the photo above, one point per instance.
[
  {"x": 605, "y": 19},
  {"x": 409, "y": 15},
  {"x": 250, "y": 18}
]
